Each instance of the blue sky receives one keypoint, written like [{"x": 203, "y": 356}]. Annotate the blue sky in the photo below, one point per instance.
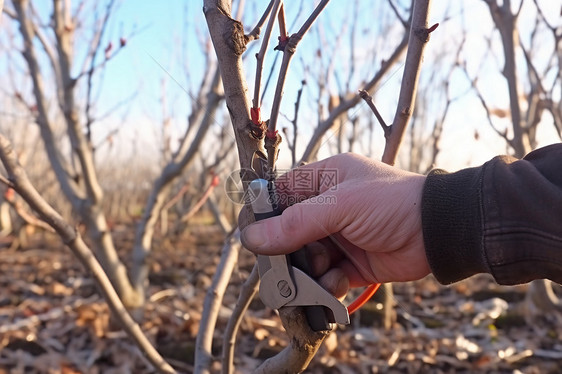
[{"x": 170, "y": 32}]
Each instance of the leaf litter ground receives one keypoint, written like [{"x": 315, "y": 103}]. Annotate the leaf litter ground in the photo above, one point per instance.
[{"x": 52, "y": 319}]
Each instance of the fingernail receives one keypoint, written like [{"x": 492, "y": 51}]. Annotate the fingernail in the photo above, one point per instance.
[{"x": 253, "y": 236}]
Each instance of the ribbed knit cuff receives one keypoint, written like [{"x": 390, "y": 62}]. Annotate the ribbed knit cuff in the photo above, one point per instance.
[{"x": 452, "y": 224}]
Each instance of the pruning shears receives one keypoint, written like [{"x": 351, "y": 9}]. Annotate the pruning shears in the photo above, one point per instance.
[{"x": 284, "y": 278}]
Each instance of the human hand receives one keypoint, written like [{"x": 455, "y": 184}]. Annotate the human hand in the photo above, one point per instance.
[{"x": 363, "y": 228}]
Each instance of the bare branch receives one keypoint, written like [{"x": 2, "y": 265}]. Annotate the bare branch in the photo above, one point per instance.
[
  {"x": 288, "y": 52},
  {"x": 28, "y": 218},
  {"x": 94, "y": 50},
  {"x": 255, "y": 33},
  {"x": 212, "y": 304},
  {"x": 503, "y": 134},
  {"x": 369, "y": 100},
  {"x": 68, "y": 186},
  {"x": 398, "y": 15},
  {"x": 6, "y": 181},
  {"x": 345, "y": 105},
  {"x": 260, "y": 56},
  {"x": 282, "y": 24},
  {"x": 72, "y": 239},
  {"x": 200, "y": 203},
  {"x": 304, "y": 344},
  {"x": 247, "y": 293},
  {"x": 539, "y": 10},
  {"x": 240, "y": 9},
  {"x": 272, "y": 138},
  {"x": 6, "y": 11},
  {"x": 419, "y": 36},
  {"x": 162, "y": 186},
  {"x": 505, "y": 22},
  {"x": 293, "y": 144}
]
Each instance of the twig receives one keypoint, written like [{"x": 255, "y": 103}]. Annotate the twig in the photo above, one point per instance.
[
  {"x": 260, "y": 56},
  {"x": 212, "y": 304},
  {"x": 201, "y": 201},
  {"x": 28, "y": 218},
  {"x": 71, "y": 237},
  {"x": 96, "y": 48},
  {"x": 272, "y": 139},
  {"x": 240, "y": 9},
  {"x": 288, "y": 53},
  {"x": 247, "y": 293},
  {"x": 293, "y": 145},
  {"x": 282, "y": 24},
  {"x": 255, "y": 33},
  {"x": 5, "y": 180},
  {"x": 369, "y": 100},
  {"x": 397, "y": 13},
  {"x": 163, "y": 184},
  {"x": 177, "y": 196},
  {"x": 478, "y": 93},
  {"x": 220, "y": 217},
  {"x": 169, "y": 204},
  {"x": 315, "y": 142}
]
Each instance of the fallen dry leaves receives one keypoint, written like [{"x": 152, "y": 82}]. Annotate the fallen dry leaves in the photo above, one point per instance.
[{"x": 53, "y": 321}]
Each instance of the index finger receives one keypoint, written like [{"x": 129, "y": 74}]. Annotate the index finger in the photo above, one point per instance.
[{"x": 308, "y": 180}]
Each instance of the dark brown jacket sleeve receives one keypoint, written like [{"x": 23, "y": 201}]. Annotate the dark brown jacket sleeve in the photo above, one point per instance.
[{"x": 503, "y": 218}]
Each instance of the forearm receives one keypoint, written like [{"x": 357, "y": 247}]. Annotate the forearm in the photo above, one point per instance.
[{"x": 503, "y": 218}]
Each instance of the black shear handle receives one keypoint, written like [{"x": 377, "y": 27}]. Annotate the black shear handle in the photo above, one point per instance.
[
  {"x": 264, "y": 205},
  {"x": 316, "y": 315}
]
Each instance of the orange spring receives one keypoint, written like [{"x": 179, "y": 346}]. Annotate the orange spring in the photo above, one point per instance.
[{"x": 363, "y": 298}]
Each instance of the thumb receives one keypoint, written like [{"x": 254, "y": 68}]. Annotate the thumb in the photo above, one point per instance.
[{"x": 297, "y": 226}]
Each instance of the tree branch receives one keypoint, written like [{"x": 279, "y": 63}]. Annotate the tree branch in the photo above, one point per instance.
[
  {"x": 255, "y": 33},
  {"x": 502, "y": 134},
  {"x": 304, "y": 344},
  {"x": 316, "y": 139},
  {"x": 247, "y": 293},
  {"x": 162, "y": 186},
  {"x": 72, "y": 239},
  {"x": 419, "y": 36},
  {"x": 212, "y": 304},
  {"x": 397, "y": 14},
  {"x": 200, "y": 203},
  {"x": 369, "y": 100},
  {"x": 273, "y": 139},
  {"x": 68, "y": 186},
  {"x": 260, "y": 56},
  {"x": 505, "y": 22},
  {"x": 95, "y": 48}
]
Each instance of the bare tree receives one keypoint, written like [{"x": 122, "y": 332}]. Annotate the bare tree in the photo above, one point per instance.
[
  {"x": 533, "y": 93},
  {"x": 76, "y": 172},
  {"x": 18, "y": 180}
]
